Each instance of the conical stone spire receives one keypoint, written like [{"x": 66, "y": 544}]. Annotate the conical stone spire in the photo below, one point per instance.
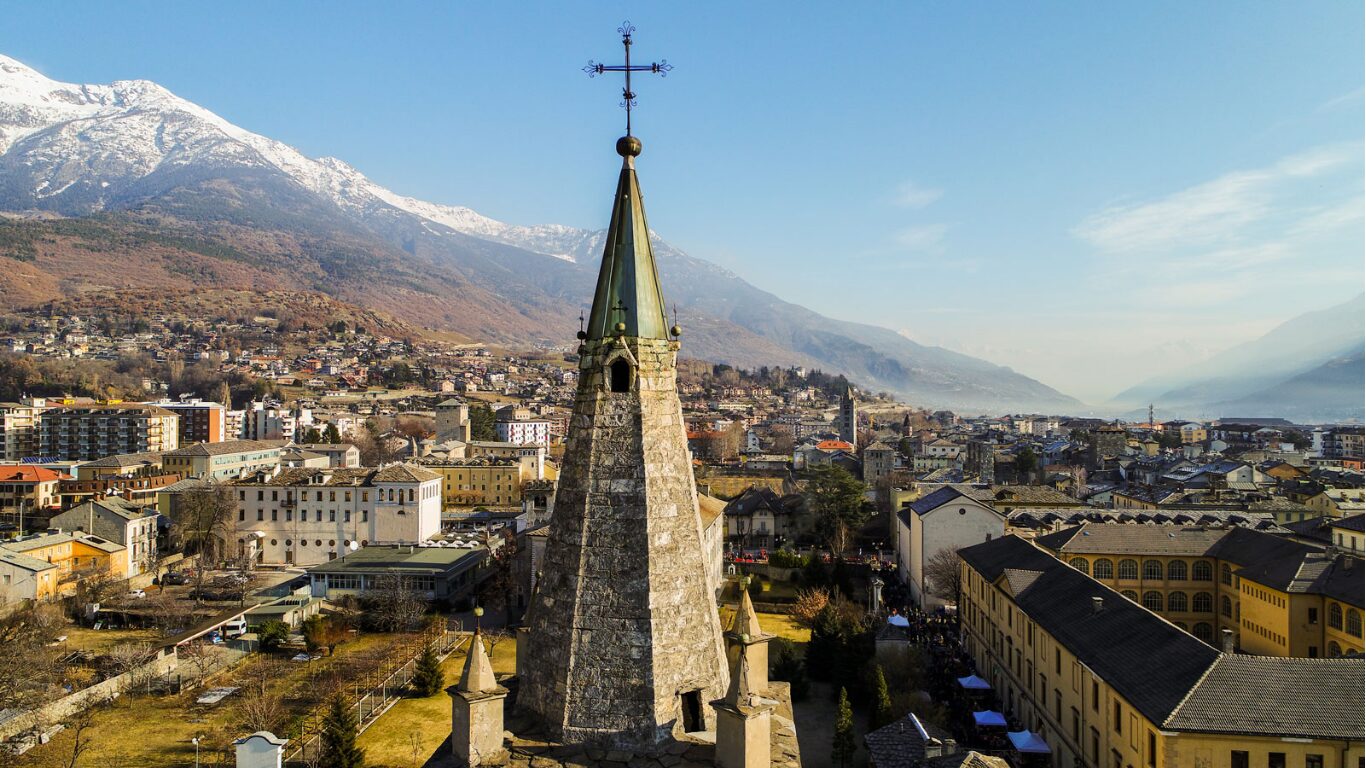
[
  {"x": 746, "y": 622},
  {"x": 477, "y": 676},
  {"x": 628, "y": 300},
  {"x": 625, "y": 646}
]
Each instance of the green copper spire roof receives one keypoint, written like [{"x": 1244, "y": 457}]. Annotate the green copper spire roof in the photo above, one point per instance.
[{"x": 628, "y": 297}]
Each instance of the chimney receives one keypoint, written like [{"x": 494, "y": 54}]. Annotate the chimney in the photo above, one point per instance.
[
  {"x": 1227, "y": 640},
  {"x": 1097, "y": 604}
]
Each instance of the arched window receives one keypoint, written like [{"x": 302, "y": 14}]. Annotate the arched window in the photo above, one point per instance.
[
  {"x": 1226, "y": 606},
  {"x": 1130, "y": 594},
  {"x": 1128, "y": 569},
  {"x": 1152, "y": 570},
  {"x": 1152, "y": 601},
  {"x": 1177, "y": 603},
  {"x": 1204, "y": 632},
  {"x": 1202, "y": 602},
  {"x": 1080, "y": 564},
  {"x": 1354, "y": 622},
  {"x": 620, "y": 375},
  {"x": 1103, "y": 569},
  {"x": 1225, "y": 574},
  {"x": 1201, "y": 571},
  {"x": 1335, "y": 616},
  {"x": 1176, "y": 570},
  {"x": 1334, "y": 650}
]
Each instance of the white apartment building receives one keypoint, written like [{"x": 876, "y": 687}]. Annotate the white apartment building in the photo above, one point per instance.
[
  {"x": 524, "y": 431},
  {"x": 308, "y": 516}
]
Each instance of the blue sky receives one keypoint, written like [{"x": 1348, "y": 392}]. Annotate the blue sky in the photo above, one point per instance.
[{"x": 1086, "y": 192}]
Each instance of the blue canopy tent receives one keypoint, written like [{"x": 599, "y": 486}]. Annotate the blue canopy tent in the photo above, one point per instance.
[
  {"x": 974, "y": 683},
  {"x": 1028, "y": 742},
  {"x": 989, "y": 719}
]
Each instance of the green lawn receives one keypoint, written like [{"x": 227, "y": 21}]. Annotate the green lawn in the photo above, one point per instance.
[{"x": 413, "y": 728}]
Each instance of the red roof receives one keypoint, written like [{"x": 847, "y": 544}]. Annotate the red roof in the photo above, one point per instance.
[
  {"x": 27, "y": 473},
  {"x": 834, "y": 445}
]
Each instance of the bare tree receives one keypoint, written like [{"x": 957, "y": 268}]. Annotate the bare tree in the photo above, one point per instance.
[
  {"x": 942, "y": 574},
  {"x": 394, "y": 606},
  {"x": 130, "y": 659},
  {"x": 809, "y": 604},
  {"x": 202, "y": 523},
  {"x": 168, "y": 614},
  {"x": 79, "y": 726}
]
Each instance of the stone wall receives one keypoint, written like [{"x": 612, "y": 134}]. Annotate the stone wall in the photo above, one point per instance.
[
  {"x": 102, "y": 691},
  {"x": 624, "y": 621}
]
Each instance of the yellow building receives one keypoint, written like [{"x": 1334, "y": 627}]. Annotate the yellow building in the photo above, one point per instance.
[
  {"x": 1270, "y": 591},
  {"x": 484, "y": 481},
  {"x": 1106, "y": 682},
  {"x": 75, "y": 556}
]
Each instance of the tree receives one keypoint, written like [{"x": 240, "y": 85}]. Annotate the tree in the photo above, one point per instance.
[
  {"x": 331, "y": 435},
  {"x": 393, "y": 606},
  {"x": 881, "y": 713},
  {"x": 1025, "y": 464},
  {"x": 428, "y": 678},
  {"x": 339, "y": 748},
  {"x": 836, "y": 499},
  {"x": 942, "y": 574},
  {"x": 843, "y": 746},
  {"x": 202, "y": 523},
  {"x": 260, "y": 708},
  {"x": 322, "y": 632},
  {"x": 482, "y": 425},
  {"x": 785, "y": 664},
  {"x": 809, "y": 604},
  {"x": 310, "y": 436},
  {"x": 273, "y": 633}
]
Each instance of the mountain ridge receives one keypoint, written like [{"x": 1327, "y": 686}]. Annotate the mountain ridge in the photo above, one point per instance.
[{"x": 139, "y": 161}]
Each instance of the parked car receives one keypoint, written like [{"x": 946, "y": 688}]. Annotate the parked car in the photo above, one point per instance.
[
  {"x": 137, "y": 594},
  {"x": 235, "y": 627},
  {"x": 175, "y": 577}
]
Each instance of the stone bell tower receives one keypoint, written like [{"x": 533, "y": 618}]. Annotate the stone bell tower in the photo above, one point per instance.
[{"x": 625, "y": 645}]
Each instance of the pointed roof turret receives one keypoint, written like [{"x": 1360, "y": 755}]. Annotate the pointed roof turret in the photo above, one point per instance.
[
  {"x": 628, "y": 300},
  {"x": 477, "y": 676},
  {"x": 746, "y": 621}
]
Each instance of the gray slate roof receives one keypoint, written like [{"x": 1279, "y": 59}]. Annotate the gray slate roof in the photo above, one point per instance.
[
  {"x": 1165, "y": 673},
  {"x": 1304, "y": 698}
]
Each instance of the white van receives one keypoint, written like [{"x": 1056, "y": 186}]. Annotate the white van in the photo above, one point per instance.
[{"x": 235, "y": 627}]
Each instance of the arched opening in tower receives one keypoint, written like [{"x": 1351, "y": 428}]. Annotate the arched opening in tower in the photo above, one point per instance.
[{"x": 619, "y": 376}]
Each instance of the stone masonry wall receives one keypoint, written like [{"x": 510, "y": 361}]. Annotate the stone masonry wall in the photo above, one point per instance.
[{"x": 624, "y": 619}]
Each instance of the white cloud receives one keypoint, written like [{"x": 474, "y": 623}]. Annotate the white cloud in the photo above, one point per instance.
[
  {"x": 912, "y": 195},
  {"x": 1218, "y": 211},
  {"x": 922, "y": 237}
]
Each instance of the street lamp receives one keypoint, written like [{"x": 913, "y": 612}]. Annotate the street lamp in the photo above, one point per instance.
[
  {"x": 478, "y": 613},
  {"x": 195, "y": 742}
]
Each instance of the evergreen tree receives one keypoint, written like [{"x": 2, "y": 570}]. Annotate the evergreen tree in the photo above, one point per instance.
[
  {"x": 310, "y": 435},
  {"x": 785, "y": 664},
  {"x": 842, "y": 747},
  {"x": 428, "y": 678},
  {"x": 339, "y": 748},
  {"x": 882, "y": 701},
  {"x": 331, "y": 435}
]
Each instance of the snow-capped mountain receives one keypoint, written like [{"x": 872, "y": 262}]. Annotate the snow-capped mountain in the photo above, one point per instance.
[
  {"x": 89, "y": 142},
  {"x": 225, "y": 207}
]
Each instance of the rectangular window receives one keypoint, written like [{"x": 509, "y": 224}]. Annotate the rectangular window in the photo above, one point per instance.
[
  {"x": 331, "y": 515},
  {"x": 274, "y": 515},
  {"x": 365, "y": 515},
  {"x": 260, "y": 515},
  {"x": 1313, "y": 761},
  {"x": 260, "y": 495},
  {"x": 364, "y": 495},
  {"x": 1119, "y": 718},
  {"x": 1057, "y": 706},
  {"x": 1238, "y": 759},
  {"x": 1095, "y": 695},
  {"x": 1313, "y": 615},
  {"x": 241, "y": 515},
  {"x": 1095, "y": 745},
  {"x": 289, "y": 515},
  {"x": 1057, "y": 661},
  {"x": 1275, "y": 760},
  {"x": 1076, "y": 725},
  {"x": 346, "y": 516},
  {"x": 1152, "y": 750}
]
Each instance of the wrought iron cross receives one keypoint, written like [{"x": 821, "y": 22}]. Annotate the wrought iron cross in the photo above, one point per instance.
[{"x": 628, "y": 97}]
